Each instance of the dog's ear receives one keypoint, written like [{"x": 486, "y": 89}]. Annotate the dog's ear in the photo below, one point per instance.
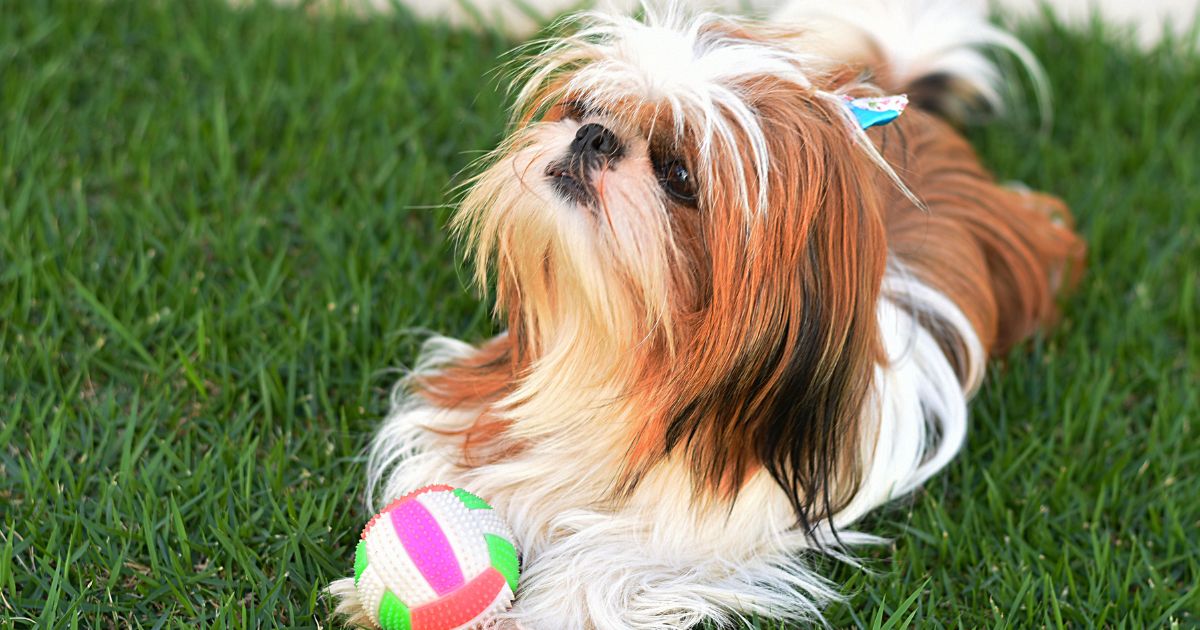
[
  {"x": 785, "y": 340},
  {"x": 820, "y": 366}
]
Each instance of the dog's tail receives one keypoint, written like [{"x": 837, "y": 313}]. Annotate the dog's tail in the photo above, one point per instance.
[{"x": 936, "y": 51}]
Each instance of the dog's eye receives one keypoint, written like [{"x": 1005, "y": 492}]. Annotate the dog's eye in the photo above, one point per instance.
[
  {"x": 677, "y": 180},
  {"x": 573, "y": 109}
]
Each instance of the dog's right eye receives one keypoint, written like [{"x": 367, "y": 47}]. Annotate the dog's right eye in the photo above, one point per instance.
[
  {"x": 573, "y": 109},
  {"x": 677, "y": 180}
]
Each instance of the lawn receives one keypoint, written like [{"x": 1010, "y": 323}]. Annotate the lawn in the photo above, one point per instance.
[{"x": 221, "y": 232}]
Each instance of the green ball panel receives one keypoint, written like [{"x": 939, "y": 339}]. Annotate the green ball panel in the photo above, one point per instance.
[
  {"x": 393, "y": 614},
  {"x": 360, "y": 560},
  {"x": 504, "y": 559},
  {"x": 471, "y": 501}
]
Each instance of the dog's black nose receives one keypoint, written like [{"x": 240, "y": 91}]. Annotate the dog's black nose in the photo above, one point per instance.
[{"x": 595, "y": 140}]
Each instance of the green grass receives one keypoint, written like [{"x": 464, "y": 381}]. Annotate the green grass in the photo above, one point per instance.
[{"x": 215, "y": 239}]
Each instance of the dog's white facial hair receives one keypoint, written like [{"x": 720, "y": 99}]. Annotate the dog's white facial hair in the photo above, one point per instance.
[{"x": 598, "y": 272}]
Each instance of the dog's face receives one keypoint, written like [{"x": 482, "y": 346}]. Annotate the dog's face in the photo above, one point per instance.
[{"x": 690, "y": 203}]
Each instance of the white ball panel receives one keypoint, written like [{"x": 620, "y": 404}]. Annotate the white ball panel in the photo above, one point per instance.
[
  {"x": 491, "y": 523},
  {"x": 370, "y": 590}
]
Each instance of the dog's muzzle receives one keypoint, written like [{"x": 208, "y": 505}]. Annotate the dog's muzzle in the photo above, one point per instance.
[{"x": 594, "y": 147}]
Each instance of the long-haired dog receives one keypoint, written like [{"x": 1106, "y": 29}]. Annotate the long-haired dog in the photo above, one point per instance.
[{"x": 736, "y": 321}]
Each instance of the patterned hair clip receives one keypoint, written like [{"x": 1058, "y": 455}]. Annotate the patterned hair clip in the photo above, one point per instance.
[{"x": 878, "y": 110}]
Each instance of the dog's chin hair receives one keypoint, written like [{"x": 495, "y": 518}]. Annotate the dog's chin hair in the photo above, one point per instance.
[{"x": 597, "y": 276}]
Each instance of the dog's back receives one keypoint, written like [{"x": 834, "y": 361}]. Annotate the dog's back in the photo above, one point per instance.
[{"x": 1001, "y": 253}]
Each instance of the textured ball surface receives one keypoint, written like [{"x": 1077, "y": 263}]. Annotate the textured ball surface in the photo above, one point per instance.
[{"x": 438, "y": 558}]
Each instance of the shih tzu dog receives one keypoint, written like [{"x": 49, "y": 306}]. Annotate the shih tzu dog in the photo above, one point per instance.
[{"x": 737, "y": 321}]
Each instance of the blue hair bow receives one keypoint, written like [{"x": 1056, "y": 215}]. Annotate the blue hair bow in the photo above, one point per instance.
[{"x": 876, "y": 110}]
